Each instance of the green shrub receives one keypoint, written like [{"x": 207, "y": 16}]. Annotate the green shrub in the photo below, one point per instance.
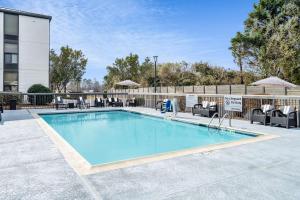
[
  {"x": 5, "y": 98},
  {"x": 39, "y": 99}
]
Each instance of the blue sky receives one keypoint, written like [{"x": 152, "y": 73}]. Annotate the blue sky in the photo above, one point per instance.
[{"x": 175, "y": 30}]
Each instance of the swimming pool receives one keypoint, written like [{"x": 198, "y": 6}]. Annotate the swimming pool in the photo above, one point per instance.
[{"x": 112, "y": 136}]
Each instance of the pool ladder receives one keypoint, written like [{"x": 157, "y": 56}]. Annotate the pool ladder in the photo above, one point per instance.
[{"x": 220, "y": 120}]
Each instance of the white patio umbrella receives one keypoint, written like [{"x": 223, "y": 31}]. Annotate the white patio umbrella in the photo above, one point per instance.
[
  {"x": 128, "y": 83},
  {"x": 274, "y": 81}
]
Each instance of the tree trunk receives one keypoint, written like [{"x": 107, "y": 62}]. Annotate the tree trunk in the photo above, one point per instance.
[{"x": 241, "y": 71}]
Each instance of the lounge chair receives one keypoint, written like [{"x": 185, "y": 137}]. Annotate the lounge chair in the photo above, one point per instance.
[
  {"x": 207, "y": 109},
  {"x": 99, "y": 102},
  {"x": 59, "y": 103},
  {"x": 285, "y": 116},
  {"x": 82, "y": 104},
  {"x": 131, "y": 102},
  {"x": 262, "y": 114}
]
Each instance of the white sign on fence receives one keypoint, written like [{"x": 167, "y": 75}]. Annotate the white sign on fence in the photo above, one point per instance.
[
  {"x": 233, "y": 103},
  {"x": 191, "y": 100}
]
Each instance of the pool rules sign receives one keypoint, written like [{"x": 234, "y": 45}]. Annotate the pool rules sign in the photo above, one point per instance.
[{"x": 233, "y": 103}]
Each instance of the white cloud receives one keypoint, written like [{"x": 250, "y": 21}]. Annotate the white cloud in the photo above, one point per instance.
[{"x": 104, "y": 30}]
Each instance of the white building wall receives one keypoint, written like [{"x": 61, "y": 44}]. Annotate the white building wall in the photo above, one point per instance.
[
  {"x": 33, "y": 52},
  {"x": 1, "y": 50}
]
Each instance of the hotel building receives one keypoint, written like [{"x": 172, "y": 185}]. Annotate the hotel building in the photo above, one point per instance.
[{"x": 24, "y": 50}]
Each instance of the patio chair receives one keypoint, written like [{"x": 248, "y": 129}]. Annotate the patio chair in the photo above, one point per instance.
[
  {"x": 261, "y": 115},
  {"x": 118, "y": 103},
  {"x": 131, "y": 102},
  {"x": 59, "y": 103},
  {"x": 110, "y": 101},
  {"x": 207, "y": 109},
  {"x": 99, "y": 102},
  {"x": 82, "y": 104},
  {"x": 285, "y": 116}
]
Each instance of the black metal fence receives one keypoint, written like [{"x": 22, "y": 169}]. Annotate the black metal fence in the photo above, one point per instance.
[
  {"x": 249, "y": 101},
  {"x": 46, "y": 100},
  {"x": 42, "y": 100}
]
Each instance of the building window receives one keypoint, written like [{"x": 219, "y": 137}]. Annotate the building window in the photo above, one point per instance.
[
  {"x": 11, "y": 58},
  {"x": 10, "y": 81},
  {"x": 11, "y": 50},
  {"x": 11, "y": 25}
]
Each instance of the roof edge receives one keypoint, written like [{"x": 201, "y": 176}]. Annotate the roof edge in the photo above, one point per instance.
[{"x": 25, "y": 13}]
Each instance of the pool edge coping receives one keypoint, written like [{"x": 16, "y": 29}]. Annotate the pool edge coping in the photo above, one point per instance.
[{"x": 83, "y": 167}]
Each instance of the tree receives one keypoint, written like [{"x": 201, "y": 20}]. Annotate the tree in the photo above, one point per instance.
[
  {"x": 239, "y": 52},
  {"x": 270, "y": 41},
  {"x": 66, "y": 66},
  {"x": 129, "y": 68},
  {"x": 169, "y": 74},
  {"x": 91, "y": 84},
  {"x": 172, "y": 74},
  {"x": 147, "y": 73}
]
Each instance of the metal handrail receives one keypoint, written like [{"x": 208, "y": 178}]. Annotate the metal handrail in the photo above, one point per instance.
[
  {"x": 212, "y": 118},
  {"x": 224, "y": 116}
]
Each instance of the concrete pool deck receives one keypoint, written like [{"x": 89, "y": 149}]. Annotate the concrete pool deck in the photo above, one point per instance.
[{"x": 31, "y": 167}]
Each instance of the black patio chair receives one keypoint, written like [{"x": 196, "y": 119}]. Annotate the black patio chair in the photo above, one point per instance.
[
  {"x": 110, "y": 101},
  {"x": 206, "y": 109},
  {"x": 99, "y": 102},
  {"x": 119, "y": 103},
  {"x": 286, "y": 116},
  {"x": 261, "y": 115},
  {"x": 82, "y": 104},
  {"x": 59, "y": 103},
  {"x": 131, "y": 102}
]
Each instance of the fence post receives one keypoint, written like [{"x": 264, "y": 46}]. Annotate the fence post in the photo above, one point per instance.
[
  {"x": 204, "y": 89},
  {"x": 34, "y": 100},
  {"x": 298, "y": 112},
  {"x": 285, "y": 90},
  {"x": 183, "y": 89},
  {"x": 246, "y": 89},
  {"x": 264, "y": 89},
  {"x": 229, "y": 89},
  {"x": 193, "y": 89},
  {"x": 216, "y": 89}
]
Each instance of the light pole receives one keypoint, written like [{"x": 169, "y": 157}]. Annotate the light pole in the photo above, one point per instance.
[{"x": 155, "y": 61}]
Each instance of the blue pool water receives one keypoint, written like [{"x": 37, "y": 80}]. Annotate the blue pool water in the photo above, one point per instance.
[{"x": 105, "y": 137}]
